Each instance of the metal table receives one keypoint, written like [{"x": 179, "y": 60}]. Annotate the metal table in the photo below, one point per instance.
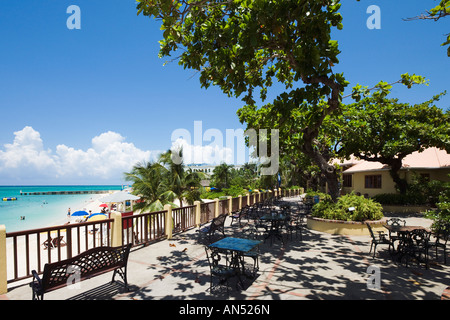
[
  {"x": 238, "y": 247},
  {"x": 276, "y": 220}
]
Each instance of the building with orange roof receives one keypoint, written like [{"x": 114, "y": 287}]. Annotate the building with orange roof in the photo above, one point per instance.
[{"x": 371, "y": 178}]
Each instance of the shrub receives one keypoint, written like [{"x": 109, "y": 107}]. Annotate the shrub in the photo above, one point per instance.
[
  {"x": 441, "y": 216},
  {"x": 364, "y": 209}
]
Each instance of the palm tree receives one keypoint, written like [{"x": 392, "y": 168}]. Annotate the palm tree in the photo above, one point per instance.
[
  {"x": 184, "y": 184},
  {"x": 149, "y": 183},
  {"x": 221, "y": 175}
]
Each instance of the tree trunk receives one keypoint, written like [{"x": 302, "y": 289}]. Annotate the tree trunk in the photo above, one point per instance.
[
  {"x": 400, "y": 183},
  {"x": 333, "y": 184},
  {"x": 326, "y": 169}
]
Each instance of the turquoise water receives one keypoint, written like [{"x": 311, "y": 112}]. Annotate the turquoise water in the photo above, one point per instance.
[{"x": 41, "y": 210}]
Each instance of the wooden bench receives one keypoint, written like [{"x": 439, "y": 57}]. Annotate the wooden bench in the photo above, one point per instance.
[
  {"x": 86, "y": 265},
  {"x": 217, "y": 224}
]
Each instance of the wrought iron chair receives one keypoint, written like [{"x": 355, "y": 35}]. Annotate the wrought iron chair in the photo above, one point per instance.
[
  {"x": 219, "y": 266},
  {"x": 442, "y": 234},
  {"x": 395, "y": 222},
  {"x": 238, "y": 215},
  {"x": 255, "y": 253},
  {"x": 416, "y": 246},
  {"x": 381, "y": 239},
  {"x": 294, "y": 224},
  {"x": 217, "y": 224}
]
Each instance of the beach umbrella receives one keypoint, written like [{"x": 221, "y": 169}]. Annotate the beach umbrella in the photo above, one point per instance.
[
  {"x": 103, "y": 205},
  {"x": 79, "y": 213},
  {"x": 97, "y": 216}
]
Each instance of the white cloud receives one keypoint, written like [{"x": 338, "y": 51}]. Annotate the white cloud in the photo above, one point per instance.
[
  {"x": 26, "y": 160},
  {"x": 26, "y": 150}
]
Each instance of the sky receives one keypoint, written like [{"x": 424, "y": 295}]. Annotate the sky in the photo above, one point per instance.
[{"x": 82, "y": 106}]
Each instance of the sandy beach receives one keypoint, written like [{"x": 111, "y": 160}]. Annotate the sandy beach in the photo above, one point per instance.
[
  {"x": 36, "y": 241},
  {"x": 93, "y": 205}
]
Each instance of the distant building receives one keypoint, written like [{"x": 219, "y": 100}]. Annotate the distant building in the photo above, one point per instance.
[
  {"x": 206, "y": 168},
  {"x": 371, "y": 178}
]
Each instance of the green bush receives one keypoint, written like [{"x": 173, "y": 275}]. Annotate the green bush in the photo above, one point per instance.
[
  {"x": 441, "y": 216},
  {"x": 364, "y": 209},
  {"x": 419, "y": 192},
  {"x": 398, "y": 199},
  {"x": 233, "y": 191}
]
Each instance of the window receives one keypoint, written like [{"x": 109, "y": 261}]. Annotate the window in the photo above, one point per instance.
[
  {"x": 347, "y": 180},
  {"x": 373, "y": 181}
]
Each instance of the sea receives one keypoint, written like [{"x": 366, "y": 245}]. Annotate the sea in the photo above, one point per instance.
[{"x": 39, "y": 211}]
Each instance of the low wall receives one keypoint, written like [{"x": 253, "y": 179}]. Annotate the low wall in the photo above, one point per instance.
[
  {"x": 354, "y": 228},
  {"x": 405, "y": 209}
]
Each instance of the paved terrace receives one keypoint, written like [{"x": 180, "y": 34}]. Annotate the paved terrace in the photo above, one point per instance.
[{"x": 320, "y": 267}]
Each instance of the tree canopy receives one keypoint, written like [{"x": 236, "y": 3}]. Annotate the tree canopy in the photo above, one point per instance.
[
  {"x": 384, "y": 130},
  {"x": 245, "y": 46}
]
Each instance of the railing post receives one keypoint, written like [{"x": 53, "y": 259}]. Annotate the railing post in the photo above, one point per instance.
[
  {"x": 197, "y": 213},
  {"x": 216, "y": 207},
  {"x": 69, "y": 242},
  {"x": 248, "y": 199},
  {"x": 168, "y": 225},
  {"x": 230, "y": 205},
  {"x": 240, "y": 202},
  {"x": 3, "y": 271},
  {"x": 116, "y": 229}
]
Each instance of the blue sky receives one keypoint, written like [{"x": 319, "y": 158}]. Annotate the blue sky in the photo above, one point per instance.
[{"x": 82, "y": 106}]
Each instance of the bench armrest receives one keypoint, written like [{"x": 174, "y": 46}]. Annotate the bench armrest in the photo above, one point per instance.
[{"x": 37, "y": 278}]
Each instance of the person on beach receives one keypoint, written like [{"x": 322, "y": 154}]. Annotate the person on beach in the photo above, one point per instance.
[{"x": 68, "y": 214}]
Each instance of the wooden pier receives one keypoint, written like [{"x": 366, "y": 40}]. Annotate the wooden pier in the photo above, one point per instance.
[{"x": 63, "y": 192}]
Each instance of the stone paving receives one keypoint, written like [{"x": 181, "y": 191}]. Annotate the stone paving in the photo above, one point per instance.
[{"x": 319, "y": 266}]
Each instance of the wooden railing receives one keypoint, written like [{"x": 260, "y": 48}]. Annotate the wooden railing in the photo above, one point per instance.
[
  {"x": 143, "y": 228},
  {"x": 29, "y": 250},
  {"x": 183, "y": 218}
]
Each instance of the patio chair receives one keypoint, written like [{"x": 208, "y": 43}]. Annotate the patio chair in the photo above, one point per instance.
[
  {"x": 294, "y": 224},
  {"x": 395, "y": 222},
  {"x": 255, "y": 253},
  {"x": 58, "y": 242},
  {"x": 219, "y": 266},
  {"x": 381, "y": 239},
  {"x": 217, "y": 224},
  {"x": 48, "y": 244},
  {"x": 416, "y": 246},
  {"x": 238, "y": 215},
  {"x": 441, "y": 235}
]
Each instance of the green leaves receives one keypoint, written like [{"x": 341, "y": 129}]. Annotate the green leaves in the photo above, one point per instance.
[
  {"x": 409, "y": 81},
  {"x": 243, "y": 45},
  {"x": 380, "y": 129}
]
